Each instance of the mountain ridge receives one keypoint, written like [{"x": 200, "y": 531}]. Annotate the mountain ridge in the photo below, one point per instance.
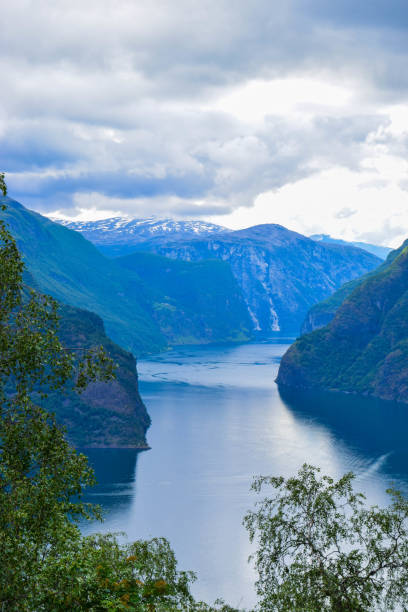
[
  {"x": 380, "y": 251},
  {"x": 261, "y": 253},
  {"x": 281, "y": 273},
  {"x": 72, "y": 270},
  {"x": 118, "y": 236}
]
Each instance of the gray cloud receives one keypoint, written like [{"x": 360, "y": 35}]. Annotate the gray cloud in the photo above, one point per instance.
[
  {"x": 386, "y": 234},
  {"x": 201, "y": 158},
  {"x": 345, "y": 213},
  {"x": 182, "y": 49},
  {"x": 110, "y": 97}
]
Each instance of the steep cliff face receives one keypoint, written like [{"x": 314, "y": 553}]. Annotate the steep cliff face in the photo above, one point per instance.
[
  {"x": 364, "y": 349},
  {"x": 281, "y": 273},
  {"x": 106, "y": 414}
]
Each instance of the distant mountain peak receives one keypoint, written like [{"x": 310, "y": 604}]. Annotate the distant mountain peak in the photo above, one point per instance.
[
  {"x": 123, "y": 235},
  {"x": 150, "y": 225},
  {"x": 376, "y": 249}
]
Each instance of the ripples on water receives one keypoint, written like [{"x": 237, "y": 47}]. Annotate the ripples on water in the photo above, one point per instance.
[{"x": 218, "y": 419}]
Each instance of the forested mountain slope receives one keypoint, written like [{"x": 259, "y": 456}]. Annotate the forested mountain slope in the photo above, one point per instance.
[
  {"x": 323, "y": 312},
  {"x": 281, "y": 273},
  {"x": 108, "y": 414},
  {"x": 71, "y": 269},
  {"x": 191, "y": 302},
  {"x": 364, "y": 349}
]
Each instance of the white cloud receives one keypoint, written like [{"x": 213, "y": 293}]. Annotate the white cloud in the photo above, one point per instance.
[
  {"x": 300, "y": 98},
  {"x": 86, "y": 214},
  {"x": 208, "y": 108},
  {"x": 92, "y": 206},
  {"x": 312, "y": 206}
]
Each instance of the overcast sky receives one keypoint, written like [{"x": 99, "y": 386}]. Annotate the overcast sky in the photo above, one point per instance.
[{"x": 235, "y": 111}]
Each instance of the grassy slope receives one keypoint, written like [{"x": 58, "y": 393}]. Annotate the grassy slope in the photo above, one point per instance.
[
  {"x": 72, "y": 270},
  {"x": 365, "y": 347},
  {"x": 192, "y": 302}
]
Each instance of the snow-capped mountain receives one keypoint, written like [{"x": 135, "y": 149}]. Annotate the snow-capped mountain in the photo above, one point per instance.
[
  {"x": 280, "y": 273},
  {"x": 122, "y": 235}
]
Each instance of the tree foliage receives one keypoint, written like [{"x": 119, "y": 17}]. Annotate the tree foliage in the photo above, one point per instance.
[
  {"x": 99, "y": 573},
  {"x": 3, "y": 186},
  {"x": 45, "y": 562},
  {"x": 40, "y": 474},
  {"x": 321, "y": 548}
]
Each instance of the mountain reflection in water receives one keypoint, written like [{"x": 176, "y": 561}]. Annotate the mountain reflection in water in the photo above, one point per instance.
[{"x": 218, "y": 419}]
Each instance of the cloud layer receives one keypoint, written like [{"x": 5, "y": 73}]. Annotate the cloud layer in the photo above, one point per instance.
[{"x": 197, "y": 108}]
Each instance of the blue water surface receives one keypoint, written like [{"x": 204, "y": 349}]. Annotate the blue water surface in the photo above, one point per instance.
[{"x": 218, "y": 419}]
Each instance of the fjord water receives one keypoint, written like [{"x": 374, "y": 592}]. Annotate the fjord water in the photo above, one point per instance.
[{"x": 218, "y": 419}]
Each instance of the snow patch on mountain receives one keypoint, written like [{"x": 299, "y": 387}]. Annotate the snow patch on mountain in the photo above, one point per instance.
[{"x": 138, "y": 230}]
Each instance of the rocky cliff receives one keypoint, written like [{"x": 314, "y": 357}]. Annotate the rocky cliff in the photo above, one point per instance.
[
  {"x": 108, "y": 414},
  {"x": 281, "y": 273}
]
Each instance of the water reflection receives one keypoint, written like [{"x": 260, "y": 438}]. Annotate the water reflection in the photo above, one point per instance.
[
  {"x": 218, "y": 420},
  {"x": 373, "y": 429},
  {"x": 115, "y": 471}
]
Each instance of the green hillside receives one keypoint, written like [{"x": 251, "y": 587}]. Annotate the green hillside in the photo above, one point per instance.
[
  {"x": 106, "y": 414},
  {"x": 191, "y": 303},
  {"x": 280, "y": 272},
  {"x": 72, "y": 270},
  {"x": 364, "y": 349},
  {"x": 323, "y": 312},
  {"x": 68, "y": 267}
]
